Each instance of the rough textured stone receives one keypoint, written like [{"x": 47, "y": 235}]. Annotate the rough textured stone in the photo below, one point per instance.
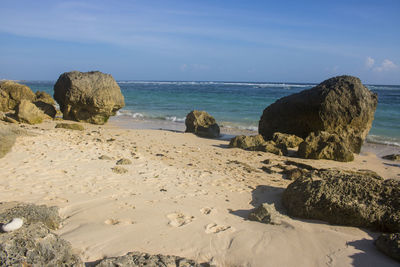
[
  {"x": 35, "y": 245},
  {"x": 265, "y": 213},
  {"x": 31, "y": 213},
  {"x": 289, "y": 140},
  {"x": 88, "y": 96},
  {"x": 138, "y": 259},
  {"x": 324, "y": 145},
  {"x": 361, "y": 199},
  {"x": 340, "y": 105},
  {"x": 44, "y": 97},
  {"x": 11, "y": 94},
  {"x": 7, "y": 139},
  {"x": 389, "y": 244},
  {"x": 70, "y": 126},
  {"x": 271, "y": 147},
  {"x": 202, "y": 124},
  {"x": 394, "y": 157},
  {"x": 294, "y": 174},
  {"x": 247, "y": 142},
  {"x": 27, "y": 112},
  {"x": 119, "y": 170},
  {"x": 124, "y": 162}
]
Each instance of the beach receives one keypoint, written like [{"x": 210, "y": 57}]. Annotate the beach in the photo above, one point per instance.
[{"x": 181, "y": 195}]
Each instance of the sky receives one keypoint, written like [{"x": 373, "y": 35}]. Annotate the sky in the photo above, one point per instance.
[{"x": 203, "y": 40}]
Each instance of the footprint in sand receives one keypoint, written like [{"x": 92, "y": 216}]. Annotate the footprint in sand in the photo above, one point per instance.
[
  {"x": 206, "y": 210},
  {"x": 214, "y": 228},
  {"x": 118, "y": 222},
  {"x": 178, "y": 219}
]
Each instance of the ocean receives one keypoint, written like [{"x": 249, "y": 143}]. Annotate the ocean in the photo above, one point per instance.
[{"x": 236, "y": 105}]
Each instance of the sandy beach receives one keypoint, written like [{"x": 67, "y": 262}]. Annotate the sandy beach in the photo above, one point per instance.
[{"x": 182, "y": 195}]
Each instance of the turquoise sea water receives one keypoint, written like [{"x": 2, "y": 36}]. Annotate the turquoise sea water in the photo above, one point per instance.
[{"x": 233, "y": 104}]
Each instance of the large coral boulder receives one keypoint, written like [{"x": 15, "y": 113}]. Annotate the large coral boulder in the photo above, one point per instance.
[
  {"x": 12, "y": 93},
  {"x": 340, "y": 105},
  {"x": 88, "y": 96},
  {"x": 324, "y": 145},
  {"x": 361, "y": 199},
  {"x": 202, "y": 124},
  {"x": 28, "y": 112}
]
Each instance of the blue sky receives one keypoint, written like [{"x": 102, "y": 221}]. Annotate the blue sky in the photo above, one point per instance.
[{"x": 292, "y": 41}]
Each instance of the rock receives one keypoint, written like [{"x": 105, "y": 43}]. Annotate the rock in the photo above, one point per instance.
[
  {"x": 271, "y": 147},
  {"x": 7, "y": 139},
  {"x": 289, "y": 140},
  {"x": 324, "y": 145},
  {"x": 105, "y": 157},
  {"x": 31, "y": 214},
  {"x": 202, "y": 124},
  {"x": 389, "y": 244},
  {"x": 27, "y": 112},
  {"x": 44, "y": 97},
  {"x": 119, "y": 170},
  {"x": 265, "y": 213},
  {"x": 361, "y": 199},
  {"x": 35, "y": 245},
  {"x": 340, "y": 105},
  {"x": 124, "y": 162},
  {"x": 10, "y": 118},
  {"x": 46, "y": 108},
  {"x": 70, "y": 126},
  {"x": 394, "y": 157},
  {"x": 247, "y": 142},
  {"x": 294, "y": 174},
  {"x": 138, "y": 259},
  {"x": 88, "y": 96},
  {"x": 12, "y": 93}
]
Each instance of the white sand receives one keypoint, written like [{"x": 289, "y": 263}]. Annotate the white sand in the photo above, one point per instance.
[{"x": 182, "y": 195}]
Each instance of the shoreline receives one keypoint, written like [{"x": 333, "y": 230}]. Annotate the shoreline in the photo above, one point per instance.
[{"x": 182, "y": 195}]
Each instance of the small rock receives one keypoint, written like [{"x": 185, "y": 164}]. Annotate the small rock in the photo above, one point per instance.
[
  {"x": 265, "y": 213},
  {"x": 124, "y": 162},
  {"x": 247, "y": 142},
  {"x": 70, "y": 126},
  {"x": 119, "y": 170},
  {"x": 394, "y": 157},
  {"x": 389, "y": 244},
  {"x": 289, "y": 140},
  {"x": 105, "y": 157}
]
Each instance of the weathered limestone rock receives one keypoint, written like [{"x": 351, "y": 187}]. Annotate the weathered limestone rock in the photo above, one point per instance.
[
  {"x": 27, "y": 112},
  {"x": 265, "y": 213},
  {"x": 271, "y": 147},
  {"x": 361, "y": 199},
  {"x": 11, "y": 94},
  {"x": 389, "y": 244},
  {"x": 202, "y": 124},
  {"x": 138, "y": 259},
  {"x": 324, "y": 145},
  {"x": 44, "y": 97},
  {"x": 247, "y": 142},
  {"x": 45, "y": 103},
  {"x": 340, "y": 105},
  {"x": 88, "y": 96},
  {"x": 394, "y": 157},
  {"x": 289, "y": 140},
  {"x": 70, "y": 126}
]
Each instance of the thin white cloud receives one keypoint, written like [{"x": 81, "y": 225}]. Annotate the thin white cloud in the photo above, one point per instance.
[
  {"x": 369, "y": 62},
  {"x": 386, "y": 65}
]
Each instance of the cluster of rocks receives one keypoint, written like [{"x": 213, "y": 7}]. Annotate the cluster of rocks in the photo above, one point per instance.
[
  {"x": 34, "y": 244},
  {"x": 278, "y": 145}
]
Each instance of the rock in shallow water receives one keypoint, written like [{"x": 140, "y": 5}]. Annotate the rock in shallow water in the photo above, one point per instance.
[
  {"x": 88, "y": 96},
  {"x": 340, "y": 105},
  {"x": 361, "y": 199}
]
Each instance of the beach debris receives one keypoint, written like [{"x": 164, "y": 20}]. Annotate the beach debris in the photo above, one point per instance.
[
  {"x": 31, "y": 213},
  {"x": 12, "y": 93},
  {"x": 70, "y": 126},
  {"x": 137, "y": 259},
  {"x": 202, "y": 124},
  {"x": 355, "y": 198},
  {"x": 119, "y": 170},
  {"x": 27, "y": 112},
  {"x": 341, "y": 105},
  {"x": 251, "y": 142},
  {"x": 88, "y": 96},
  {"x": 124, "y": 161},
  {"x": 324, "y": 145},
  {"x": 394, "y": 157},
  {"x": 15, "y": 224},
  {"x": 289, "y": 140},
  {"x": 265, "y": 213},
  {"x": 105, "y": 157},
  {"x": 389, "y": 244}
]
